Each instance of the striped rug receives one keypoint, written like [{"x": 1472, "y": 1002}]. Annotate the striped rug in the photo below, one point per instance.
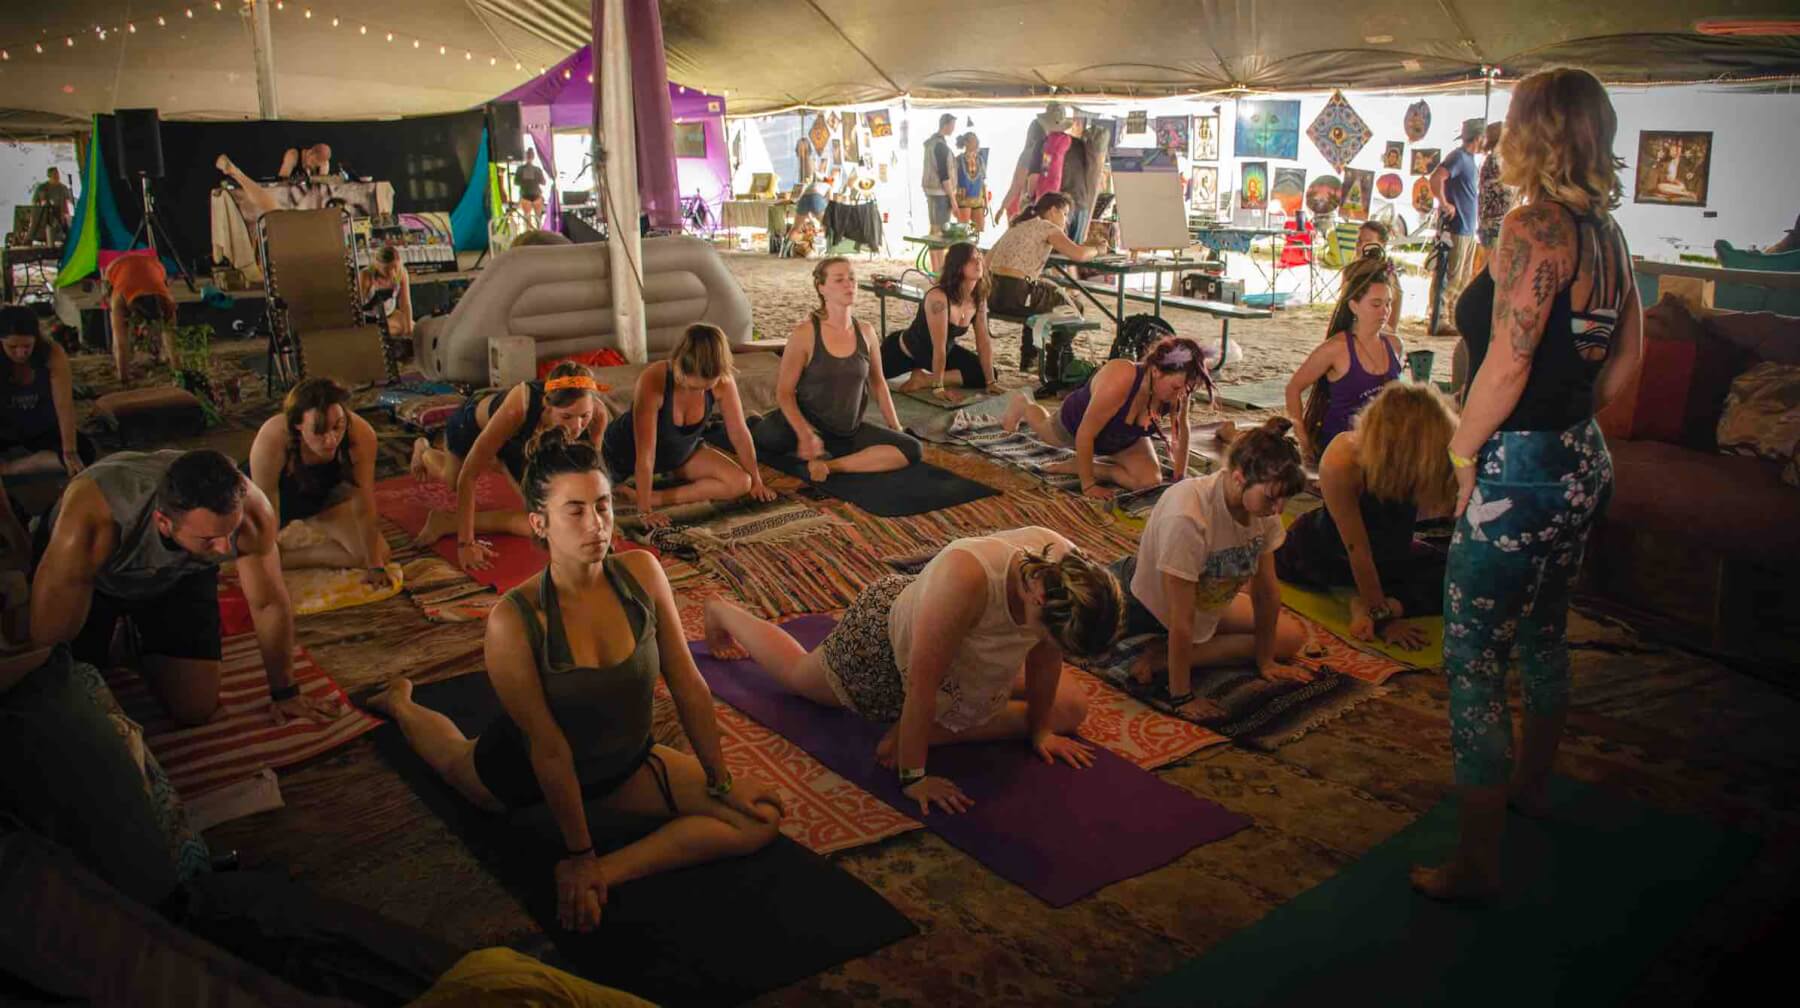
[
  {"x": 241, "y": 738},
  {"x": 1086, "y": 526}
]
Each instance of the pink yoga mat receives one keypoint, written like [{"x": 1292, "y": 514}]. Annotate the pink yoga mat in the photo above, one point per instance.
[
  {"x": 1055, "y": 831},
  {"x": 406, "y": 501}
]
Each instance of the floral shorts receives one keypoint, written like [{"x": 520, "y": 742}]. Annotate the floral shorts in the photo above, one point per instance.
[{"x": 859, "y": 655}]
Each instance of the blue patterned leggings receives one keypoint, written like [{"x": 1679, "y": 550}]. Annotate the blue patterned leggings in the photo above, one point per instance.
[{"x": 1512, "y": 563}]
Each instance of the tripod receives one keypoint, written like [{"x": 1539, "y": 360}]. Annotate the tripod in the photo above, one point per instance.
[{"x": 151, "y": 227}]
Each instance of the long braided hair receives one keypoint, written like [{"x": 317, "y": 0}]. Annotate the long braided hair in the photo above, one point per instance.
[
  {"x": 319, "y": 394},
  {"x": 1083, "y": 604}
]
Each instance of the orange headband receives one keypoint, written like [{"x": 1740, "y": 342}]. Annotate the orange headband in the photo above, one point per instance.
[{"x": 571, "y": 382}]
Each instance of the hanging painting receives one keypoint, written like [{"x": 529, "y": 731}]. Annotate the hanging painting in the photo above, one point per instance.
[
  {"x": 1267, "y": 129},
  {"x": 820, "y": 134},
  {"x": 1391, "y": 155},
  {"x": 1422, "y": 199},
  {"x": 690, "y": 140},
  {"x": 881, "y": 171},
  {"x": 1323, "y": 196},
  {"x": 1289, "y": 188},
  {"x": 880, "y": 125},
  {"x": 1253, "y": 193},
  {"x": 1390, "y": 186},
  {"x": 1137, "y": 122},
  {"x": 1338, "y": 131},
  {"x": 1417, "y": 121},
  {"x": 1172, "y": 133},
  {"x": 1673, "y": 168},
  {"x": 1206, "y": 138},
  {"x": 1203, "y": 188},
  {"x": 1424, "y": 160},
  {"x": 1358, "y": 183},
  {"x": 852, "y": 140}
]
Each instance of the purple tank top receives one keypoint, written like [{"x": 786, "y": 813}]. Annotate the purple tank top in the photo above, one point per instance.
[
  {"x": 1353, "y": 391},
  {"x": 1118, "y": 434}
]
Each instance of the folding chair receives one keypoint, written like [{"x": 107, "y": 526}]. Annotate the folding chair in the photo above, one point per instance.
[
  {"x": 1337, "y": 250},
  {"x": 309, "y": 272},
  {"x": 1297, "y": 251}
]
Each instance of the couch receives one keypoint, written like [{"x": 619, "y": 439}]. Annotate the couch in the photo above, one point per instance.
[
  {"x": 560, "y": 296},
  {"x": 1701, "y": 527}
]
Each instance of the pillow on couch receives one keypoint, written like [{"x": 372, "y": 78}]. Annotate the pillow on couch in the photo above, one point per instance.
[{"x": 1762, "y": 417}]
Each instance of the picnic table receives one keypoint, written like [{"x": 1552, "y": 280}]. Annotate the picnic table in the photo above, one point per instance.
[
  {"x": 1226, "y": 238},
  {"x": 1224, "y": 311}
]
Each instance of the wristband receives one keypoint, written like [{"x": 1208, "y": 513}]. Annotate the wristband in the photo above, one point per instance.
[
  {"x": 1459, "y": 461},
  {"x": 1380, "y": 613},
  {"x": 720, "y": 788},
  {"x": 280, "y": 693},
  {"x": 910, "y": 777},
  {"x": 583, "y": 852}
]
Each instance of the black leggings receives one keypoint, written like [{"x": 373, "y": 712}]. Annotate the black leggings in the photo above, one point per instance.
[
  {"x": 897, "y": 359},
  {"x": 773, "y": 436}
]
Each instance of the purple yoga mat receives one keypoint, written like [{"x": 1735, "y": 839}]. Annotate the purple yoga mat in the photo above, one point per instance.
[{"x": 1058, "y": 832}]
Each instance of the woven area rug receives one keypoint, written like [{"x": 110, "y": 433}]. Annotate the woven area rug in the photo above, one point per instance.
[
  {"x": 438, "y": 587},
  {"x": 1074, "y": 517},
  {"x": 822, "y": 573},
  {"x": 698, "y": 529},
  {"x": 241, "y": 738}
]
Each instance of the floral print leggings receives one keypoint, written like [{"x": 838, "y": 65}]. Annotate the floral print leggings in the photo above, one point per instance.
[{"x": 1513, "y": 560}]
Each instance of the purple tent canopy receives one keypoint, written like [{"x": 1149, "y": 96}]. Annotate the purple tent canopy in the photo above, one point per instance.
[{"x": 562, "y": 97}]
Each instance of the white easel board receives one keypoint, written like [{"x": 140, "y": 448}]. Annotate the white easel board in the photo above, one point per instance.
[{"x": 1151, "y": 214}]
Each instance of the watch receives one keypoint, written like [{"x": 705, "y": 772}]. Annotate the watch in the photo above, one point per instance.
[
  {"x": 910, "y": 777},
  {"x": 719, "y": 788}
]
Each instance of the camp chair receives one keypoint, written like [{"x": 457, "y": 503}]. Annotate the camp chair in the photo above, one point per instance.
[
  {"x": 1337, "y": 249},
  {"x": 309, "y": 272},
  {"x": 1297, "y": 251}
]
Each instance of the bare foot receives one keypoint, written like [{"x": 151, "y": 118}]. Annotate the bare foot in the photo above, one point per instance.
[
  {"x": 1016, "y": 406},
  {"x": 399, "y": 691},
  {"x": 887, "y": 747},
  {"x": 719, "y": 643},
  {"x": 1454, "y": 882},
  {"x": 817, "y": 470},
  {"x": 438, "y": 524},
  {"x": 417, "y": 464}
]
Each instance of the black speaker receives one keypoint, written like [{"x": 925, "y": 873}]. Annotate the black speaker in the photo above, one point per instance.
[
  {"x": 506, "y": 131},
  {"x": 137, "y": 142}
]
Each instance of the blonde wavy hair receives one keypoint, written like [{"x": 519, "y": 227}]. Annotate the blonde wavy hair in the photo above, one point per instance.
[
  {"x": 1083, "y": 604},
  {"x": 1403, "y": 445},
  {"x": 1558, "y": 142},
  {"x": 703, "y": 353}
]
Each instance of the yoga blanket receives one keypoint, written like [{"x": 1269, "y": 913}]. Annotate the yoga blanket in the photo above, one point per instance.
[
  {"x": 1331, "y": 610},
  {"x": 711, "y": 934},
  {"x": 241, "y": 738},
  {"x": 1032, "y": 823},
  {"x": 1594, "y": 893},
  {"x": 407, "y": 501}
]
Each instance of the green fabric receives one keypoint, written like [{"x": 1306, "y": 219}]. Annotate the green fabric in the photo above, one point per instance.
[
  {"x": 1735, "y": 258},
  {"x": 1593, "y": 894},
  {"x": 469, "y": 221},
  {"x": 1331, "y": 610},
  {"x": 96, "y": 224},
  {"x": 71, "y": 779}
]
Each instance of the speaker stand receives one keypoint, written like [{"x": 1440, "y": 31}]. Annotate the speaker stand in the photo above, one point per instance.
[{"x": 151, "y": 227}]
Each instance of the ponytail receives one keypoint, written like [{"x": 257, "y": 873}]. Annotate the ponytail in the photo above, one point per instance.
[{"x": 1045, "y": 204}]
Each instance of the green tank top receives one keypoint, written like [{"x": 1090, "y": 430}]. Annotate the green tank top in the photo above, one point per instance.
[{"x": 603, "y": 712}]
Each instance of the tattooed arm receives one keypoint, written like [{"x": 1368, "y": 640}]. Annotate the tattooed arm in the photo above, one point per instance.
[{"x": 1534, "y": 258}]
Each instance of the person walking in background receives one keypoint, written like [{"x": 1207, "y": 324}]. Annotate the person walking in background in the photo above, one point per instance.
[
  {"x": 938, "y": 179},
  {"x": 1494, "y": 196},
  {"x": 52, "y": 200},
  {"x": 531, "y": 181},
  {"x": 971, "y": 183},
  {"x": 1454, "y": 185}
]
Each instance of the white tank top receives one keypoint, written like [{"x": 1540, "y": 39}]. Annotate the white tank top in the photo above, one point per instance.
[{"x": 979, "y": 680}]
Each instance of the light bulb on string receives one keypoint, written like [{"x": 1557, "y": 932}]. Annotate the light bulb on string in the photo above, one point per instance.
[
  {"x": 308, "y": 13},
  {"x": 189, "y": 12},
  {"x": 161, "y": 22},
  {"x": 130, "y": 27},
  {"x": 443, "y": 49},
  {"x": 390, "y": 36},
  {"x": 491, "y": 61},
  {"x": 69, "y": 41},
  {"x": 468, "y": 55},
  {"x": 334, "y": 22},
  {"x": 517, "y": 65},
  {"x": 415, "y": 43},
  {"x": 39, "y": 46},
  {"x": 4, "y": 55},
  {"x": 362, "y": 30}
]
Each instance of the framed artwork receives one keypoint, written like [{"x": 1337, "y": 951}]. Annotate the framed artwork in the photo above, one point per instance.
[
  {"x": 1422, "y": 199},
  {"x": 819, "y": 134},
  {"x": 1203, "y": 187},
  {"x": 1390, "y": 185},
  {"x": 690, "y": 140},
  {"x": 1324, "y": 195},
  {"x": 1206, "y": 138},
  {"x": 1417, "y": 121},
  {"x": 1424, "y": 160},
  {"x": 1172, "y": 133},
  {"x": 1339, "y": 132},
  {"x": 1137, "y": 122},
  {"x": 852, "y": 139},
  {"x": 1673, "y": 168},
  {"x": 1289, "y": 188},
  {"x": 880, "y": 124},
  {"x": 1267, "y": 129},
  {"x": 1392, "y": 153},
  {"x": 1253, "y": 188},
  {"x": 1359, "y": 184}
]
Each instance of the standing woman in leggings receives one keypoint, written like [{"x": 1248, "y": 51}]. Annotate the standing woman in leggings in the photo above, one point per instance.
[{"x": 1554, "y": 331}]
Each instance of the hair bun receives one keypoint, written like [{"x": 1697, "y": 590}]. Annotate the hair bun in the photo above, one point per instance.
[
  {"x": 1278, "y": 425},
  {"x": 544, "y": 442}
]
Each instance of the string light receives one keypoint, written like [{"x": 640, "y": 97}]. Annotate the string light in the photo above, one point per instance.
[
  {"x": 491, "y": 61},
  {"x": 39, "y": 46},
  {"x": 362, "y": 30},
  {"x": 189, "y": 12},
  {"x": 132, "y": 28},
  {"x": 161, "y": 22},
  {"x": 415, "y": 43},
  {"x": 334, "y": 22},
  {"x": 390, "y": 36},
  {"x": 443, "y": 49},
  {"x": 308, "y": 13},
  {"x": 468, "y": 55},
  {"x": 4, "y": 55},
  {"x": 69, "y": 41}
]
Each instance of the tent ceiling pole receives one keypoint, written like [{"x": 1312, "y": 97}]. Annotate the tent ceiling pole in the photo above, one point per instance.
[
  {"x": 615, "y": 153},
  {"x": 859, "y": 49},
  {"x": 262, "y": 39}
]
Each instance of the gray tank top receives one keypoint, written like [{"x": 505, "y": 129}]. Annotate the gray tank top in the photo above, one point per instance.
[
  {"x": 143, "y": 565},
  {"x": 834, "y": 391}
]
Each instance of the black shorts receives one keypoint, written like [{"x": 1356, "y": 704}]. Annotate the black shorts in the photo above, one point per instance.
[
  {"x": 48, "y": 440},
  {"x": 1138, "y": 619},
  {"x": 503, "y": 763},
  {"x": 618, "y": 449},
  {"x": 462, "y": 430},
  {"x": 182, "y": 622}
]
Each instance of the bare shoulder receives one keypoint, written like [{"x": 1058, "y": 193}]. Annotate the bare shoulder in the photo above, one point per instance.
[
  {"x": 261, "y": 525},
  {"x": 643, "y": 566}
]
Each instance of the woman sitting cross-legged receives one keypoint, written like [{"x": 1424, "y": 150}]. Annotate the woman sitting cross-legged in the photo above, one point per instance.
[
  {"x": 928, "y": 348},
  {"x": 1205, "y": 540},
  {"x": 1360, "y": 355},
  {"x": 315, "y": 461},
  {"x": 577, "y": 691},
  {"x": 496, "y": 427},
  {"x": 1110, "y": 420},
  {"x": 1377, "y": 479},
  {"x": 824, "y": 388},
  {"x": 661, "y": 434},
  {"x": 940, "y": 654}
]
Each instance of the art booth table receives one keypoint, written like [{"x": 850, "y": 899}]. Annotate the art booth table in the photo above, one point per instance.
[{"x": 233, "y": 239}]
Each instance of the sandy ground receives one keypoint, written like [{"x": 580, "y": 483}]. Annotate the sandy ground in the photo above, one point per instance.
[{"x": 780, "y": 292}]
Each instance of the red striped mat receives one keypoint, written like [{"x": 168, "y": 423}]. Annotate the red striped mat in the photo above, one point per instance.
[{"x": 241, "y": 738}]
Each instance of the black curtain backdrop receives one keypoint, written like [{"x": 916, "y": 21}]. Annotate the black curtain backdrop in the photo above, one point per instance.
[{"x": 428, "y": 159}]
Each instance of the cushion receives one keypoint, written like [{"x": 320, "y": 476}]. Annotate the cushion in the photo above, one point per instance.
[
  {"x": 1736, "y": 258},
  {"x": 1765, "y": 336},
  {"x": 1762, "y": 417},
  {"x": 601, "y": 358},
  {"x": 1680, "y": 389},
  {"x": 1732, "y": 503}
]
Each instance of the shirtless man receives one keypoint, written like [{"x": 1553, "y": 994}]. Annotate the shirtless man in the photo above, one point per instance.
[{"x": 141, "y": 535}]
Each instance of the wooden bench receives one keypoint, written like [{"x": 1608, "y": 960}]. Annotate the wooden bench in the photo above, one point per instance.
[{"x": 1224, "y": 311}]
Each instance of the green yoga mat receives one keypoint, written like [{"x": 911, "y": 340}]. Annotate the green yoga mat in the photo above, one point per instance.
[
  {"x": 1269, "y": 394},
  {"x": 1594, "y": 893},
  {"x": 1331, "y": 610}
]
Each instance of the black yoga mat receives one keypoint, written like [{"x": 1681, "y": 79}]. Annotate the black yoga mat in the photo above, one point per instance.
[
  {"x": 712, "y": 934},
  {"x": 916, "y": 489}
]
